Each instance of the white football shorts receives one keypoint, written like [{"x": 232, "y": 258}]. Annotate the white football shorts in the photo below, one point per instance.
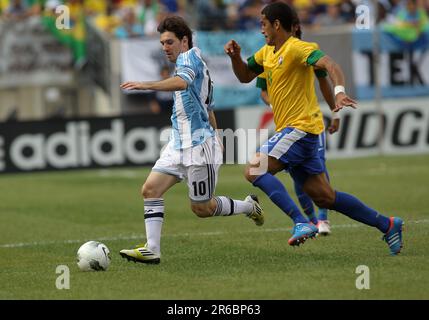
[{"x": 198, "y": 165}]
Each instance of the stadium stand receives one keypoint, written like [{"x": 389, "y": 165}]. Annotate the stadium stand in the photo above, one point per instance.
[{"x": 97, "y": 28}]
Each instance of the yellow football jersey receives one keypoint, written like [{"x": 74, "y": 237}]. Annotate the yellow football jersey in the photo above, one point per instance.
[{"x": 290, "y": 84}]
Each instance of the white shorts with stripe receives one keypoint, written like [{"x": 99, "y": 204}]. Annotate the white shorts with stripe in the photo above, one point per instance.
[{"x": 198, "y": 165}]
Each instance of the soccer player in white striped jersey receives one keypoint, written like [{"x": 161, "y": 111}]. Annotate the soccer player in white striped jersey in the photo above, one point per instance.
[{"x": 194, "y": 152}]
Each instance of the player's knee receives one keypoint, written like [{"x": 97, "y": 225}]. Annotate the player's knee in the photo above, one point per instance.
[
  {"x": 248, "y": 173},
  {"x": 148, "y": 191},
  {"x": 325, "y": 200},
  {"x": 320, "y": 191},
  {"x": 202, "y": 210}
]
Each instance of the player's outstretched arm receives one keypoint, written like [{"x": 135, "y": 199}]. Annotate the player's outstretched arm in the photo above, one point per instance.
[
  {"x": 325, "y": 88},
  {"x": 171, "y": 84},
  {"x": 337, "y": 77},
  {"x": 241, "y": 71}
]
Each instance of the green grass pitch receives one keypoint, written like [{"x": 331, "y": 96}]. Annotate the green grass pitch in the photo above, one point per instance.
[{"x": 45, "y": 217}]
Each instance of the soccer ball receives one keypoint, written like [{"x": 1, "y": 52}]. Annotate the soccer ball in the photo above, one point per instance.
[{"x": 93, "y": 256}]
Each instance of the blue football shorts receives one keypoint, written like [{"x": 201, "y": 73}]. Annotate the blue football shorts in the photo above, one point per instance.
[{"x": 302, "y": 153}]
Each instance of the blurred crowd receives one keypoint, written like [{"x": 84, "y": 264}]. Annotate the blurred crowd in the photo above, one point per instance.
[
  {"x": 134, "y": 18},
  {"x": 405, "y": 21},
  {"x": 120, "y": 18}
]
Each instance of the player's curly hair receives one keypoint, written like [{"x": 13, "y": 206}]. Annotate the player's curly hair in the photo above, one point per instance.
[
  {"x": 279, "y": 11},
  {"x": 296, "y": 26},
  {"x": 178, "y": 26}
]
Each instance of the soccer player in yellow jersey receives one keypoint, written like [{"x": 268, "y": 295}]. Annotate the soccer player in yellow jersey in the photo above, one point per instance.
[
  {"x": 288, "y": 63},
  {"x": 321, "y": 218}
]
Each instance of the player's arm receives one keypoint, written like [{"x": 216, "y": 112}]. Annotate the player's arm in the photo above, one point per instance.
[
  {"x": 213, "y": 123},
  {"x": 265, "y": 97},
  {"x": 325, "y": 88},
  {"x": 171, "y": 84},
  {"x": 242, "y": 71},
  {"x": 212, "y": 119},
  {"x": 337, "y": 77},
  {"x": 261, "y": 83}
]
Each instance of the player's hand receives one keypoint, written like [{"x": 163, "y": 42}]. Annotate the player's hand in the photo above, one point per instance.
[
  {"x": 133, "y": 86},
  {"x": 232, "y": 49},
  {"x": 342, "y": 100},
  {"x": 334, "y": 126}
]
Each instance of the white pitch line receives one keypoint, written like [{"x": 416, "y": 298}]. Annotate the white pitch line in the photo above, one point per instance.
[{"x": 187, "y": 234}]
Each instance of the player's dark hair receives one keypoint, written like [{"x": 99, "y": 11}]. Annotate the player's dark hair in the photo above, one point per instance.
[
  {"x": 296, "y": 25},
  {"x": 279, "y": 11},
  {"x": 178, "y": 26}
]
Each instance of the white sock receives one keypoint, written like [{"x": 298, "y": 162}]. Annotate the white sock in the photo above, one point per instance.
[
  {"x": 228, "y": 207},
  {"x": 154, "y": 217}
]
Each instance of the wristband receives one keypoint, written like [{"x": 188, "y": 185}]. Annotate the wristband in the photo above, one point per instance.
[
  {"x": 335, "y": 115},
  {"x": 339, "y": 89}
]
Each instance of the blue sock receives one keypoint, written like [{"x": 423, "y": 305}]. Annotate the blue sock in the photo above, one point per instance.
[
  {"x": 357, "y": 210},
  {"x": 276, "y": 191},
  {"x": 306, "y": 203},
  {"x": 323, "y": 214}
]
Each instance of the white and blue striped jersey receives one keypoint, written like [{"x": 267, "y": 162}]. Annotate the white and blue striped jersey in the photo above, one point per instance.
[{"x": 190, "y": 119}]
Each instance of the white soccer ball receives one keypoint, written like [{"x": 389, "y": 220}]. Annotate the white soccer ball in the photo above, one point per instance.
[{"x": 93, "y": 256}]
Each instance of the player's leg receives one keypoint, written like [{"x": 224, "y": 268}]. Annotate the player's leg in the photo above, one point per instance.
[
  {"x": 266, "y": 181},
  {"x": 319, "y": 189},
  {"x": 202, "y": 181},
  {"x": 273, "y": 157},
  {"x": 306, "y": 203},
  {"x": 265, "y": 164},
  {"x": 204, "y": 204},
  {"x": 164, "y": 175},
  {"x": 153, "y": 191},
  {"x": 323, "y": 224}
]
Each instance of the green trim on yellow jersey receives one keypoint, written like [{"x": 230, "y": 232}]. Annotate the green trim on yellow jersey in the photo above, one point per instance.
[
  {"x": 254, "y": 66},
  {"x": 261, "y": 83},
  {"x": 315, "y": 56}
]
